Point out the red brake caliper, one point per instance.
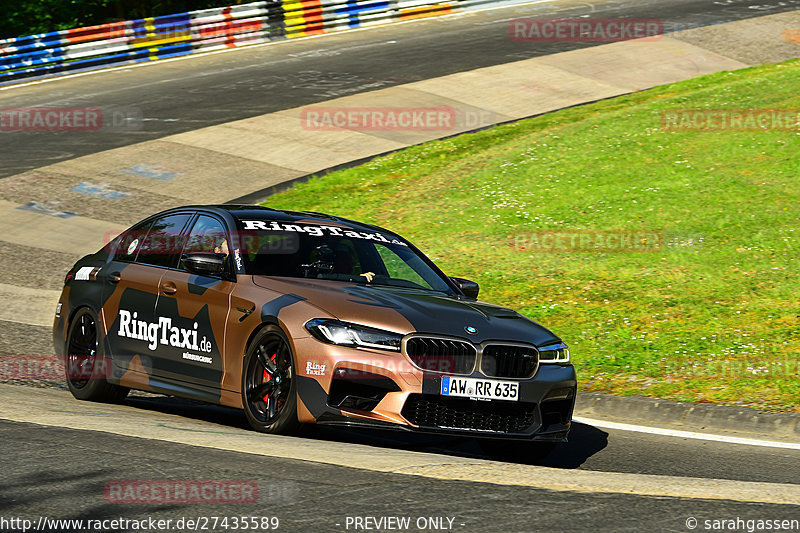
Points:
(265, 378)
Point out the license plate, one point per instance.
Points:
(484, 389)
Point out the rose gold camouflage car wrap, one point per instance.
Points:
(438, 360)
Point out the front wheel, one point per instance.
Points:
(86, 366)
(269, 387)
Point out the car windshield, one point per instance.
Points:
(336, 253)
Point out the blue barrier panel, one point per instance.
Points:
(117, 43)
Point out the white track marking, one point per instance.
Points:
(686, 434)
(282, 41)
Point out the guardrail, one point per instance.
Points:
(169, 36)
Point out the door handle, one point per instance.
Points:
(169, 288)
(114, 277)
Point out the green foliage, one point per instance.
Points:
(41, 16)
(710, 316)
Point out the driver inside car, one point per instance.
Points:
(344, 262)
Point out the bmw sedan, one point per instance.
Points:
(300, 318)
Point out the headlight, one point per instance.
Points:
(346, 334)
(555, 353)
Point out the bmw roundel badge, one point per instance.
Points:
(470, 330)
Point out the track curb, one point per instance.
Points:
(689, 416)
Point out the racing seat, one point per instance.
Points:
(268, 263)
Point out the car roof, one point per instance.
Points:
(258, 212)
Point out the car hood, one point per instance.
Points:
(409, 310)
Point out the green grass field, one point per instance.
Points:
(708, 313)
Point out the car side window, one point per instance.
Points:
(208, 235)
(127, 246)
(164, 242)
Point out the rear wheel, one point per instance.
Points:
(86, 366)
(269, 387)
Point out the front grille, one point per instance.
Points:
(448, 356)
(430, 411)
(509, 361)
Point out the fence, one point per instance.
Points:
(187, 33)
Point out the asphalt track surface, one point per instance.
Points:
(61, 472)
(590, 448)
(165, 98)
(72, 468)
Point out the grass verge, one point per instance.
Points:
(705, 311)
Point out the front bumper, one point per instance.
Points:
(356, 387)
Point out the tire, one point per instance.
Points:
(86, 367)
(269, 385)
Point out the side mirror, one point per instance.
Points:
(469, 288)
(204, 263)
